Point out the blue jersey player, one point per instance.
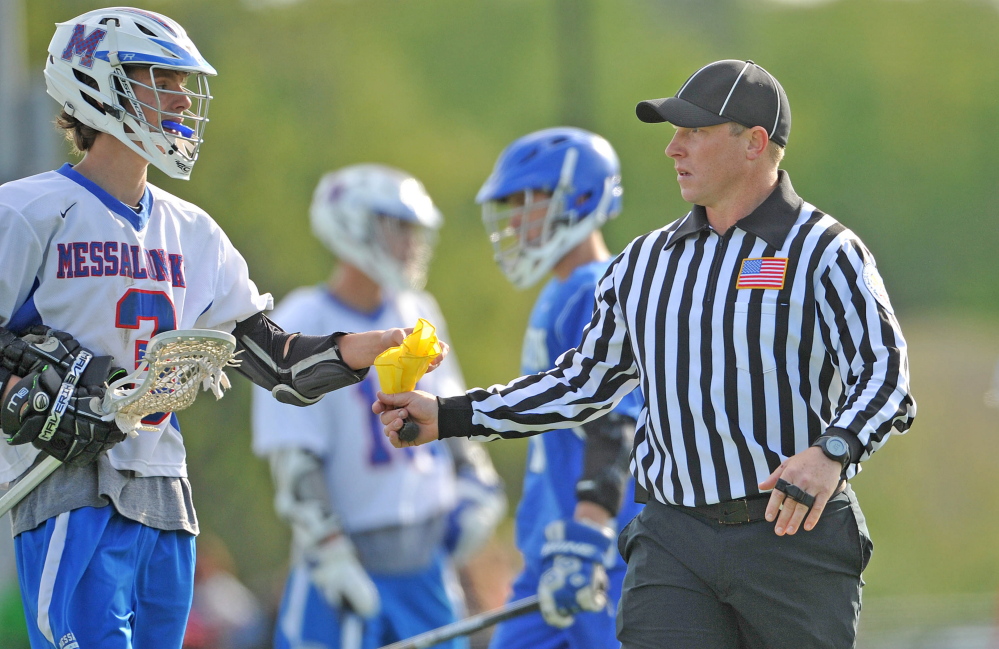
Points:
(94, 257)
(543, 206)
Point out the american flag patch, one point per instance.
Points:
(763, 272)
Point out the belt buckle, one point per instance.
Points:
(734, 512)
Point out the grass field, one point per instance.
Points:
(931, 495)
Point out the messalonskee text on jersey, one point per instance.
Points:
(109, 258)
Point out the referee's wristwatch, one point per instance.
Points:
(835, 448)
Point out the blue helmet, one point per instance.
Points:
(570, 183)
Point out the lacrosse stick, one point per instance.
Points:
(177, 365)
(469, 625)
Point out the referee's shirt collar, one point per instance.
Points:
(771, 221)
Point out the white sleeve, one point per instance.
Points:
(20, 257)
(236, 296)
(279, 425)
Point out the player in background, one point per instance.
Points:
(105, 546)
(376, 530)
(543, 206)
(992, 394)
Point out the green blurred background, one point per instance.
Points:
(895, 132)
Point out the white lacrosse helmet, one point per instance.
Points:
(580, 172)
(85, 73)
(380, 220)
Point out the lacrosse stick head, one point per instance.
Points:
(177, 365)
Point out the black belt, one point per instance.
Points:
(732, 512)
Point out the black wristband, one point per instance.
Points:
(454, 417)
(856, 447)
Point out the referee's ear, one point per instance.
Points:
(757, 141)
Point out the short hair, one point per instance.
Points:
(774, 151)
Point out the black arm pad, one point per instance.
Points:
(311, 368)
(609, 441)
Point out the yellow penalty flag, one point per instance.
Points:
(399, 368)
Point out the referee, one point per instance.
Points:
(772, 364)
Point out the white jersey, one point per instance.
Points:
(371, 484)
(77, 259)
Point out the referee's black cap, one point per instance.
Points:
(725, 91)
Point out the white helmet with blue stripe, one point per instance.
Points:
(379, 219)
(86, 73)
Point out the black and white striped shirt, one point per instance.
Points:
(747, 347)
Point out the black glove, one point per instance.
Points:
(40, 345)
(80, 436)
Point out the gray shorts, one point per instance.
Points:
(694, 583)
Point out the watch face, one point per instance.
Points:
(837, 446)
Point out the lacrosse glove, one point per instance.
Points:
(40, 345)
(338, 575)
(31, 413)
(573, 570)
(481, 506)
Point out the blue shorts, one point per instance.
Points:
(410, 605)
(588, 631)
(93, 578)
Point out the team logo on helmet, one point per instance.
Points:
(83, 45)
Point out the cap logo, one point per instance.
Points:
(83, 45)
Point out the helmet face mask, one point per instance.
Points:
(521, 227)
(548, 191)
(405, 249)
(107, 69)
(380, 220)
(179, 132)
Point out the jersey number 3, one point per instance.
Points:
(138, 305)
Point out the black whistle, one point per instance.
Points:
(409, 431)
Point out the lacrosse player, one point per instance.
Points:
(543, 206)
(96, 259)
(376, 530)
